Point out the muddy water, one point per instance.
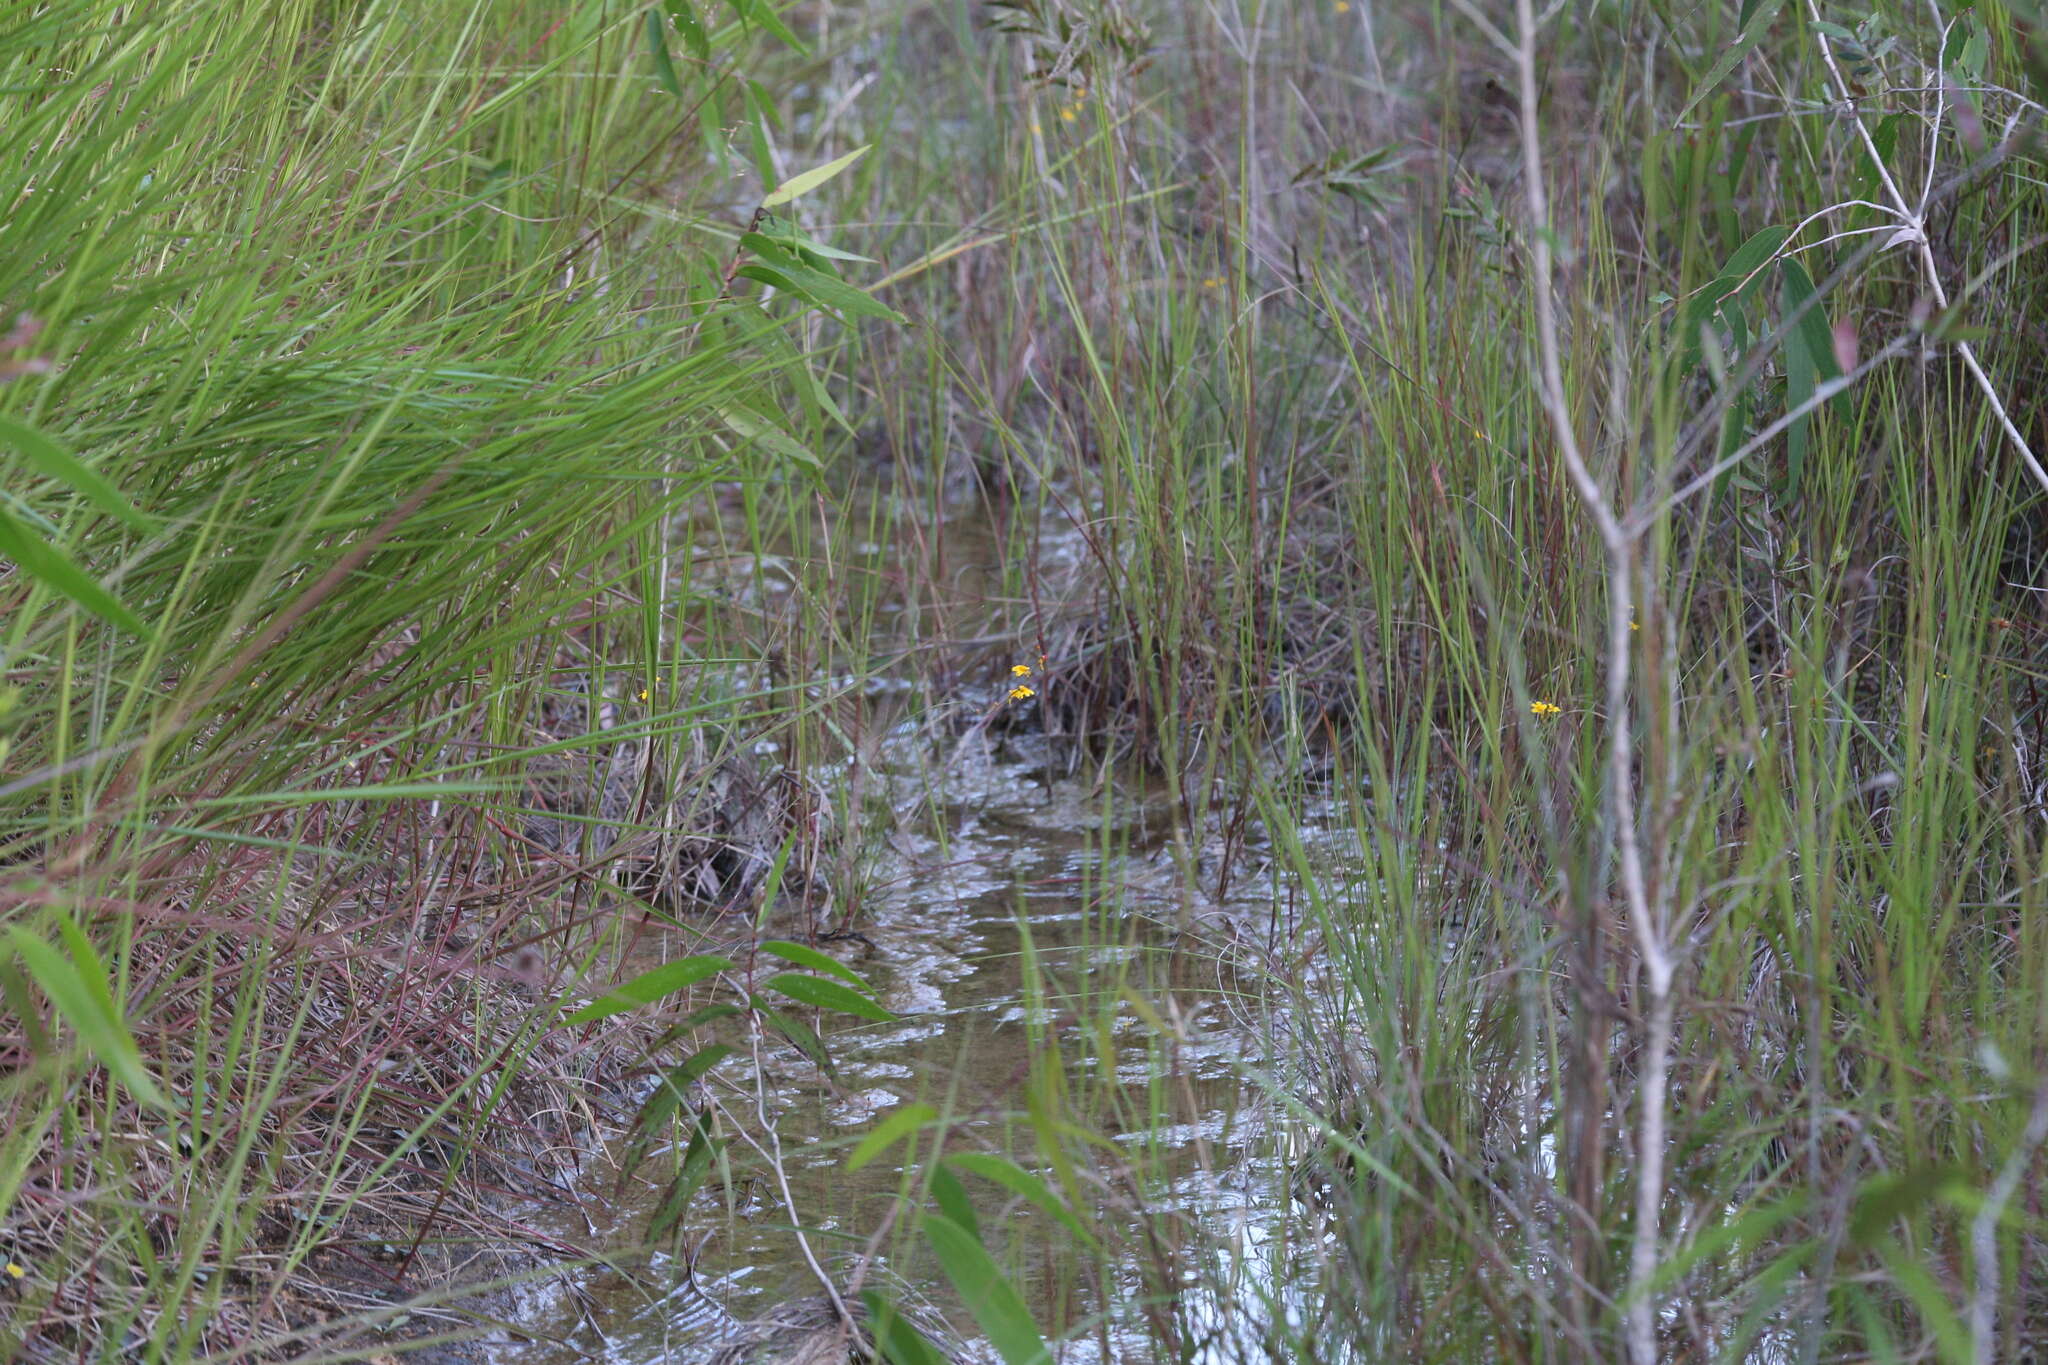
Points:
(1012, 921)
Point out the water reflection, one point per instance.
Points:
(997, 872)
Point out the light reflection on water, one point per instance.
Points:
(1016, 875)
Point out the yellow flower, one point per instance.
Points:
(1343, 6)
(1020, 670)
(1067, 114)
(1544, 708)
(643, 694)
(1037, 127)
(15, 1272)
(1213, 282)
(1021, 693)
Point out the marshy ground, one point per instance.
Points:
(1021, 680)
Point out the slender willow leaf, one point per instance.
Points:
(688, 1180)
(798, 1032)
(1753, 29)
(755, 11)
(901, 1123)
(827, 995)
(1739, 277)
(1019, 1181)
(767, 434)
(804, 956)
(993, 1300)
(668, 1098)
(819, 289)
(657, 47)
(649, 986)
(1813, 329)
(953, 1202)
(809, 180)
(693, 33)
(898, 1342)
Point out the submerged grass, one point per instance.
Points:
(1226, 339)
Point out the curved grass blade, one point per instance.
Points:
(78, 989)
(1019, 1181)
(891, 1130)
(993, 1300)
(39, 559)
(827, 995)
(803, 956)
(649, 986)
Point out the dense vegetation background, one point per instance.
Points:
(1552, 498)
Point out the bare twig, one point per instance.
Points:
(1984, 1227)
(1651, 934)
(1915, 223)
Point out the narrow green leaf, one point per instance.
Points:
(689, 1178)
(995, 1303)
(78, 990)
(1019, 1181)
(895, 1338)
(56, 462)
(691, 1022)
(1754, 27)
(953, 1202)
(1931, 1297)
(693, 33)
(1883, 1200)
(657, 47)
(1745, 1229)
(806, 181)
(694, 1068)
(1744, 268)
(902, 1121)
(667, 1098)
(819, 289)
(649, 986)
(766, 434)
(798, 1033)
(755, 11)
(1739, 277)
(827, 995)
(1813, 328)
(804, 956)
(41, 560)
(785, 234)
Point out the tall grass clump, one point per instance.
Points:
(359, 356)
(1597, 450)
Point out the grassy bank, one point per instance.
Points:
(1615, 643)
(393, 336)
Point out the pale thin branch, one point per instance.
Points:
(1984, 1227)
(1928, 270)
(1652, 936)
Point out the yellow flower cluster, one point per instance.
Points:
(1021, 692)
(1544, 708)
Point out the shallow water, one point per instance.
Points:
(990, 882)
